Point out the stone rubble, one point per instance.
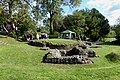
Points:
(77, 55)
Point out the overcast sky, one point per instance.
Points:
(109, 8)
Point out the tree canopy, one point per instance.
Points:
(17, 13)
(88, 24)
(10, 9)
(117, 30)
(53, 7)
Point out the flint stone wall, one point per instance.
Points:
(52, 45)
(76, 55)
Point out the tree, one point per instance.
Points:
(17, 13)
(76, 23)
(8, 7)
(57, 22)
(98, 25)
(117, 30)
(88, 24)
(25, 22)
(53, 7)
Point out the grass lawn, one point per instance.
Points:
(58, 41)
(20, 61)
(109, 39)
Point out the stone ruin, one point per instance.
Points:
(78, 55)
(49, 45)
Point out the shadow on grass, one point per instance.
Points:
(110, 43)
(106, 43)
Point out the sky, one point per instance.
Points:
(109, 8)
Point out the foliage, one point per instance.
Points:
(44, 29)
(55, 35)
(12, 34)
(16, 12)
(111, 34)
(25, 23)
(25, 16)
(10, 7)
(57, 22)
(113, 57)
(117, 31)
(3, 33)
(88, 23)
(76, 22)
(99, 25)
(53, 7)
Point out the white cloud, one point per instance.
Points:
(109, 8)
(34, 3)
(114, 16)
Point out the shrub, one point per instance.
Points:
(3, 33)
(111, 34)
(113, 57)
(117, 31)
(12, 34)
(116, 42)
(55, 35)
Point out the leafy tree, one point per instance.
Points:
(17, 12)
(117, 30)
(76, 22)
(53, 7)
(25, 23)
(88, 23)
(98, 25)
(57, 22)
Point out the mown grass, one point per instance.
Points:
(109, 39)
(58, 41)
(20, 61)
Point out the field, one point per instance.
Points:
(20, 61)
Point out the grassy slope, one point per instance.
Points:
(58, 41)
(19, 61)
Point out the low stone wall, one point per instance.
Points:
(76, 55)
(52, 45)
(69, 60)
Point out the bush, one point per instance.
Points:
(111, 34)
(3, 33)
(12, 34)
(116, 42)
(55, 35)
(113, 57)
(117, 31)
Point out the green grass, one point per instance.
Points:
(20, 61)
(109, 39)
(58, 41)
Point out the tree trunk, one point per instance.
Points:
(4, 28)
(51, 27)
